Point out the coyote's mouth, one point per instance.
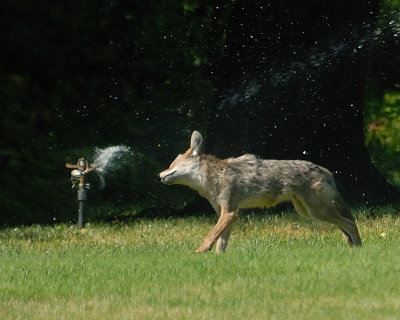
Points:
(165, 179)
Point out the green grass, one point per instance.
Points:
(275, 267)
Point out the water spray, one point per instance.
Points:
(81, 169)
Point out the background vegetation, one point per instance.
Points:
(382, 112)
(80, 75)
(94, 74)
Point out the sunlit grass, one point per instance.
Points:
(276, 267)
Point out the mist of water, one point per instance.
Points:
(109, 159)
(308, 66)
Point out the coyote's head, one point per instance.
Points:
(185, 168)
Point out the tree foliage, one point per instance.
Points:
(382, 99)
(85, 74)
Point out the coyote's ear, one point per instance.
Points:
(195, 143)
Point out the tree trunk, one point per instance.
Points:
(292, 82)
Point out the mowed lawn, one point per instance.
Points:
(277, 266)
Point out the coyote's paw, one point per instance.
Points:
(204, 247)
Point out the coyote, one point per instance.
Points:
(250, 182)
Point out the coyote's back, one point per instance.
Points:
(269, 182)
(249, 182)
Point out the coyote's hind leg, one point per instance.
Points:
(300, 207)
(343, 218)
(346, 237)
(349, 229)
(333, 215)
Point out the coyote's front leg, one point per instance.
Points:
(222, 241)
(225, 220)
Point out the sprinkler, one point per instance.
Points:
(81, 169)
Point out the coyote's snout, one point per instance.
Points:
(250, 182)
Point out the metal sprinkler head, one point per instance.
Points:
(81, 169)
